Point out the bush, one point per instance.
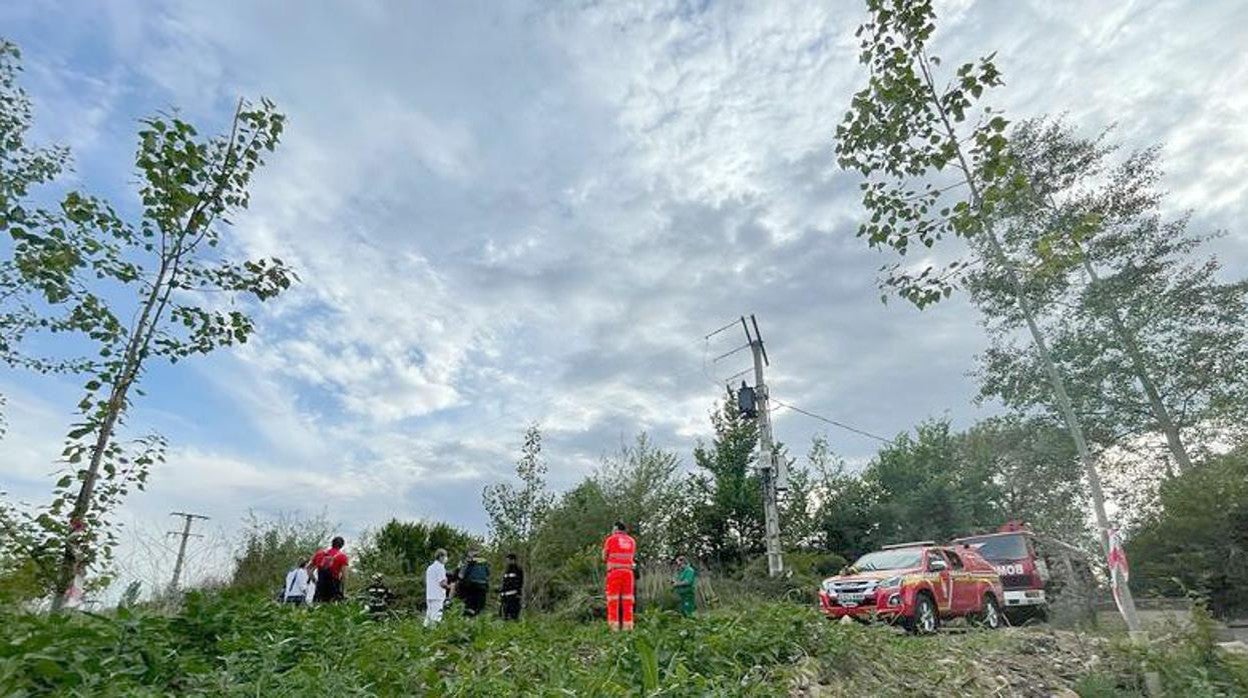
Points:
(407, 547)
(1187, 659)
(233, 644)
(1198, 541)
(271, 547)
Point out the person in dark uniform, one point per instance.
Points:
(511, 592)
(377, 598)
(474, 583)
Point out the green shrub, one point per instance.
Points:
(271, 547)
(233, 644)
(1198, 541)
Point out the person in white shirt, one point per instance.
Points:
(435, 588)
(297, 583)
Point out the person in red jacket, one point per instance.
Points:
(330, 567)
(618, 551)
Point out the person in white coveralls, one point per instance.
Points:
(436, 588)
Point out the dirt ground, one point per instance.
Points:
(1034, 661)
(1037, 660)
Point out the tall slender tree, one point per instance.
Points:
(159, 286)
(936, 165)
(517, 512)
(724, 511)
(640, 485)
(1151, 340)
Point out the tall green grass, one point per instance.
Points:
(234, 646)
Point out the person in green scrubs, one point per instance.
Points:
(686, 584)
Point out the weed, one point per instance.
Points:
(222, 644)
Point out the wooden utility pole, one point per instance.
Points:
(185, 533)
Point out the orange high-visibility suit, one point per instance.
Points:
(617, 551)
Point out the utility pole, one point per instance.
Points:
(185, 533)
(772, 474)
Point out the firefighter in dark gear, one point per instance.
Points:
(474, 583)
(511, 593)
(377, 598)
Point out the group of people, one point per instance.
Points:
(470, 583)
(320, 579)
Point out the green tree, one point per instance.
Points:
(927, 489)
(844, 519)
(797, 506)
(1034, 472)
(723, 514)
(1149, 338)
(156, 286)
(640, 486)
(271, 547)
(407, 547)
(23, 168)
(517, 512)
(936, 165)
(567, 564)
(1198, 539)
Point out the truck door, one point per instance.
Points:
(965, 591)
(942, 582)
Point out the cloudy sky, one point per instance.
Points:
(506, 212)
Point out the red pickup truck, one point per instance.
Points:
(916, 585)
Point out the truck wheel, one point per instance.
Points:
(990, 616)
(925, 621)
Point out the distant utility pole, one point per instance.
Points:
(185, 533)
(773, 475)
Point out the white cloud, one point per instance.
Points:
(504, 214)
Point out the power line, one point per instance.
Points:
(833, 422)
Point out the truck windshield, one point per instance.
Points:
(889, 560)
(999, 548)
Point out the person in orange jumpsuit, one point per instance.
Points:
(618, 551)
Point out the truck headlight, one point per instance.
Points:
(891, 582)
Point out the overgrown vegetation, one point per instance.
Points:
(1197, 541)
(269, 547)
(237, 645)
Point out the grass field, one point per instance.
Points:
(218, 645)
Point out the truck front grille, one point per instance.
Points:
(1016, 581)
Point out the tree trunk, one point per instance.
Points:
(129, 369)
(1068, 414)
(70, 559)
(1160, 412)
(1055, 378)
